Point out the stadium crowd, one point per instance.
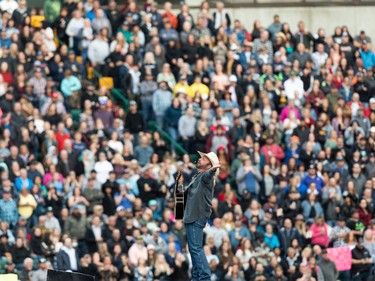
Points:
(86, 182)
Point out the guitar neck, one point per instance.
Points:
(178, 176)
(179, 200)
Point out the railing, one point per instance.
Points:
(155, 127)
(116, 94)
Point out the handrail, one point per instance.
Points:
(115, 92)
(179, 149)
(152, 124)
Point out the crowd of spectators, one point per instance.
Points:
(87, 185)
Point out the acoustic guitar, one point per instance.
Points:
(179, 200)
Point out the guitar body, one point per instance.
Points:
(179, 201)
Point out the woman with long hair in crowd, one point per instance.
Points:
(254, 210)
(167, 75)
(77, 199)
(225, 164)
(319, 232)
(225, 254)
(350, 240)
(245, 252)
(142, 272)
(162, 271)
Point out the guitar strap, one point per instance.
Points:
(192, 181)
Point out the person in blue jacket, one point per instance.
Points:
(270, 238)
(367, 55)
(237, 233)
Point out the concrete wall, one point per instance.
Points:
(356, 18)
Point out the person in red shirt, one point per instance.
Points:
(7, 75)
(222, 194)
(316, 95)
(370, 108)
(272, 149)
(169, 14)
(61, 135)
(364, 212)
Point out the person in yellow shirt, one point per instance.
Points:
(26, 204)
(183, 85)
(199, 86)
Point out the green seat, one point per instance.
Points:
(75, 116)
(2, 266)
(118, 96)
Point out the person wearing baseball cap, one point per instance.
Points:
(361, 261)
(198, 210)
(339, 232)
(41, 273)
(327, 267)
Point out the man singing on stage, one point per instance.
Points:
(198, 210)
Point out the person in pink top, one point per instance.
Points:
(290, 107)
(319, 232)
(49, 176)
(272, 149)
(137, 250)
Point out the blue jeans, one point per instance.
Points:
(160, 120)
(194, 232)
(173, 132)
(147, 111)
(345, 275)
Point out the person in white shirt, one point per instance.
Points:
(115, 143)
(319, 57)
(75, 25)
(8, 6)
(98, 49)
(67, 257)
(102, 168)
(52, 222)
(220, 16)
(294, 88)
(217, 232)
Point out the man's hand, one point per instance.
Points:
(147, 187)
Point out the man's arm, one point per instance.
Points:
(209, 174)
(355, 261)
